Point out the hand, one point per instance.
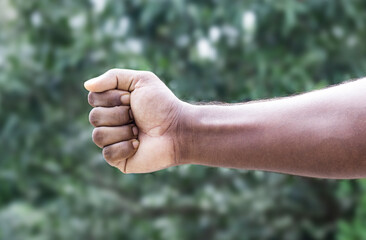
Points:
(136, 118)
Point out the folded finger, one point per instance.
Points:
(109, 98)
(116, 153)
(112, 79)
(114, 116)
(104, 136)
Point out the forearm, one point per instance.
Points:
(319, 134)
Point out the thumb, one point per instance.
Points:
(112, 79)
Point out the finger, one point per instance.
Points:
(104, 136)
(125, 99)
(115, 116)
(116, 153)
(122, 79)
(109, 98)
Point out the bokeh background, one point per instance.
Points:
(54, 183)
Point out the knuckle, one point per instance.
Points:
(107, 153)
(113, 98)
(148, 74)
(112, 71)
(121, 114)
(98, 137)
(127, 149)
(93, 117)
(91, 98)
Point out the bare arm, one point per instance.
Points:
(318, 134)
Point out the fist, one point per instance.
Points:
(136, 119)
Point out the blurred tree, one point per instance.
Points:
(54, 182)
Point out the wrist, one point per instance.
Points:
(185, 140)
(216, 135)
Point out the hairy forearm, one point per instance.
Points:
(319, 134)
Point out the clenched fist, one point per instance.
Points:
(136, 119)
(143, 127)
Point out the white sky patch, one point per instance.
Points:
(248, 21)
(122, 26)
(115, 28)
(214, 33)
(338, 32)
(109, 27)
(231, 34)
(2, 56)
(98, 5)
(99, 55)
(230, 31)
(134, 45)
(7, 11)
(249, 25)
(205, 49)
(77, 21)
(36, 19)
(352, 41)
(183, 40)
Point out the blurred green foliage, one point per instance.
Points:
(54, 183)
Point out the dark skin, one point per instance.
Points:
(142, 127)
